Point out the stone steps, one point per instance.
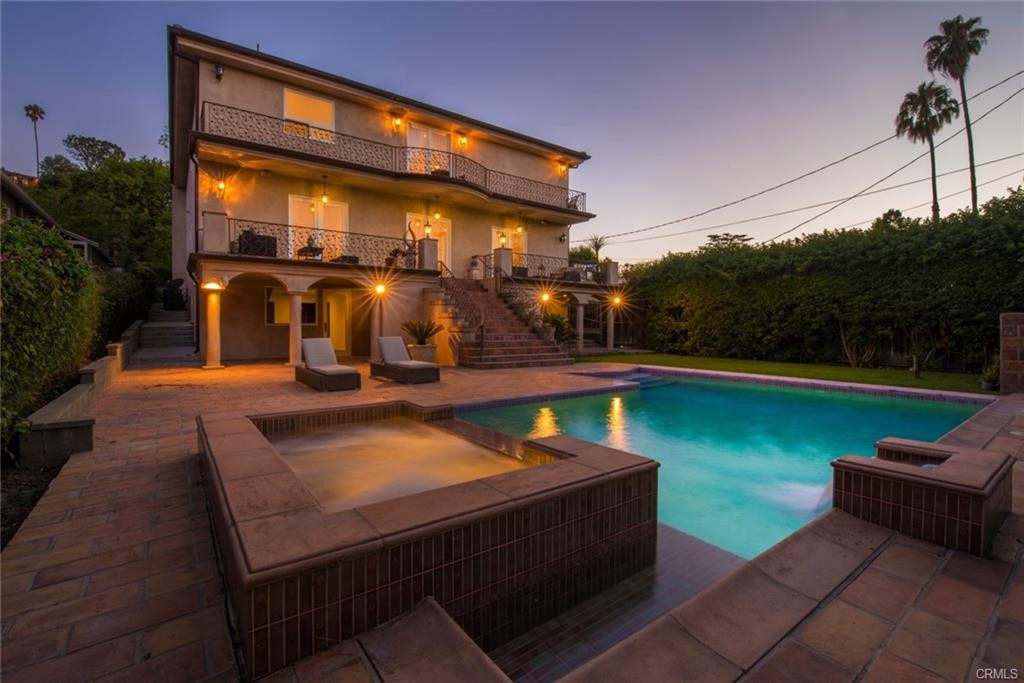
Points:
(161, 334)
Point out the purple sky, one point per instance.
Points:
(682, 105)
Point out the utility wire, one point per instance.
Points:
(805, 208)
(787, 182)
(886, 177)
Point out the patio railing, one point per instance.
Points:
(249, 126)
(546, 267)
(279, 240)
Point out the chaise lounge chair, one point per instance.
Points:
(322, 371)
(398, 366)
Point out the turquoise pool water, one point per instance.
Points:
(742, 465)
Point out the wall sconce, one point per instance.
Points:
(396, 118)
(519, 222)
(563, 168)
(221, 187)
(213, 284)
(323, 194)
(545, 297)
(502, 239)
(437, 209)
(463, 139)
(563, 237)
(380, 289)
(616, 300)
(218, 71)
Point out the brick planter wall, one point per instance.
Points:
(1011, 352)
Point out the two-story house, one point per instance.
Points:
(308, 205)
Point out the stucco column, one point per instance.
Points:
(212, 329)
(376, 325)
(427, 258)
(611, 329)
(579, 327)
(294, 328)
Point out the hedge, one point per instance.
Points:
(904, 288)
(49, 314)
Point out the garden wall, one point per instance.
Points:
(63, 426)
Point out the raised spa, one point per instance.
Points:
(329, 523)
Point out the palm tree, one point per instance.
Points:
(923, 113)
(36, 114)
(950, 52)
(597, 243)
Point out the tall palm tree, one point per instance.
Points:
(922, 114)
(36, 114)
(950, 52)
(597, 243)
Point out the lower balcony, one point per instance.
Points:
(292, 242)
(538, 266)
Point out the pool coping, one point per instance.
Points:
(806, 383)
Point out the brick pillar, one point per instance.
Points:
(1011, 353)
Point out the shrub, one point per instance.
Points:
(49, 311)
(126, 298)
(421, 330)
(564, 333)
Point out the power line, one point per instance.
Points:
(886, 177)
(805, 208)
(787, 182)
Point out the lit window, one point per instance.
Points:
(278, 307)
(308, 116)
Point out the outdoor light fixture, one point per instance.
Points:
(502, 239)
(437, 210)
(213, 285)
(323, 195)
(616, 300)
(396, 118)
(218, 71)
(426, 229)
(519, 221)
(563, 237)
(545, 297)
(463, 139)
(380, 289)
(562, 168)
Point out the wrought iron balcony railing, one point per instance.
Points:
(248, 126)
(546, 267)
(278, 240)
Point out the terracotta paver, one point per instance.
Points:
(795, 663)
(112, 573)
(888, 668)
(880, 593)
(935, 644)
(844, 633)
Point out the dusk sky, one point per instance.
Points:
(682, 106)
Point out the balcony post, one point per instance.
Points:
(611, 273)
(579, 327)
(212, 330)
(502, 264)
(427, 257)
(610, 341)
(295, 328)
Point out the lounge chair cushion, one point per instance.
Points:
(335, 369)
(393, 350)
(318, 352)
(413, 364)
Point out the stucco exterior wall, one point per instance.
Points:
(258, 93)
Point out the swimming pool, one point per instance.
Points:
(742, 465)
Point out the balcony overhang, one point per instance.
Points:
(264, 158)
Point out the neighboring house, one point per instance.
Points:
(22, 179)
(17, 204)
(296, 193)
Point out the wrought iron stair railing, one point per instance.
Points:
(249, 126)
(464, 303)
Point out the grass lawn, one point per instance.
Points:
(947, 381)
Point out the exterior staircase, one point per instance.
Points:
(508, 341)
(167, 340)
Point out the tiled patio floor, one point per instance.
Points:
(112, 576)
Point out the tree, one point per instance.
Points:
(36, 114)
(726, 240)
(91, 152)
(922, 114)
(950, 52)
(56, 165)
(597, 243)
(582, 254)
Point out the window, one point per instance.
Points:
(279, 308)
(308, 116)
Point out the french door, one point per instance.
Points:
(315, 224)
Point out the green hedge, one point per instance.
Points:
(880, 296)
(49, 311)
(127, 297)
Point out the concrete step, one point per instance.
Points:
(164, 334)
(165, 357)
(496, 365)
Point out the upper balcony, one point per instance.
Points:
(442, 166)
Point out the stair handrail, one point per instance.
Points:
(521, 295)
(461, 299)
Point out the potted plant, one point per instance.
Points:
(422, 331)
(990, 375)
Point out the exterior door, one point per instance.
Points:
(338, 320)
(301, 222)
(430, 150)
(312, 219)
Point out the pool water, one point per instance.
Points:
(742, 465)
